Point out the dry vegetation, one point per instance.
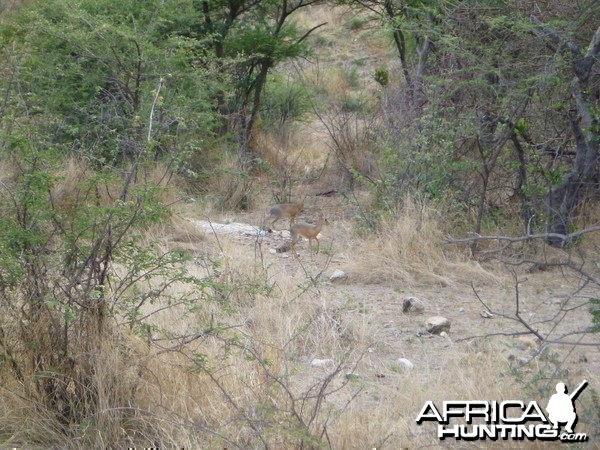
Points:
(235, 371)
(245, 379)
(263, 383)
(409, 250)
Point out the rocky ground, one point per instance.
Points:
(479, 328)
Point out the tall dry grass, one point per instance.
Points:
(411, 249)
(114, 417)
(71, 184)
(220, 181)
(387, 419)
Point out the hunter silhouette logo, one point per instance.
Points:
(511, 419)
(561, 407)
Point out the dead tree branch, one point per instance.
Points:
(565, 238)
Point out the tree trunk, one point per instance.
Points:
(400, 42)
(259, 85)
(562, 199)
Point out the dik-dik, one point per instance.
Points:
(282, 210)
(310, 232)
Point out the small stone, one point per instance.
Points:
(461, 310)
(412, 304)
(437, 324)
(486, 314)
(338, 276)
(283, 247)
(322, 363)
(405, 364)
(272, 251)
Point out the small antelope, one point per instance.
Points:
(310, 232)
(282, 210)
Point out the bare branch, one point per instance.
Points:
(305, 35)
(564, 237)
(160, 82)
(556, 37)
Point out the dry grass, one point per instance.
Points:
(224, 186)
(73, 185)
(385, 418)
(212, 392)
(314, 15)
(411, 250)
(33, 423)
(296, 157)
(273, 330)
(178, 232)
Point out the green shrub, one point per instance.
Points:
(285, 101)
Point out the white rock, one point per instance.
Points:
(272, 251)
(405, 363)
(228, 228)
(322, 362)
(437, 324)
(338, 276)
(486, 314)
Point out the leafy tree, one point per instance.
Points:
(584, 119)
(514, 100)
(258, 36)
(94, 71)
(82, 87)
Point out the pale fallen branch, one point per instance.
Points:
(511, 239)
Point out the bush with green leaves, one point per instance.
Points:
(93, 72)
(516, 88)
(285, 101)
(72, 261)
